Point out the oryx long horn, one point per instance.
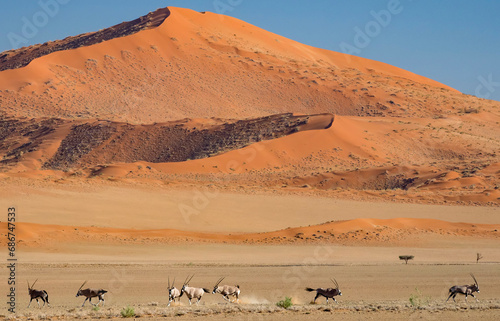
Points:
(335, 282)
(220, 280)
(82, 285)
(474, 279)
(173, 282)
(187, 281)
(33, 284)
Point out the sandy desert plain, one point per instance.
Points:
(189, 143)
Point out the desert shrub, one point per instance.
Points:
(406, 258)
(127, 312)
(286, 303)
(417, 299)
(96, 308)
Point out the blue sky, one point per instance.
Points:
(456, 42)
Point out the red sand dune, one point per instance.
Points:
(202, 65)
(364, 154)
(395, 131)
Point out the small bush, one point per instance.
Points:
(286, 303)
(417, 299)
(96, 308)
(127, 312)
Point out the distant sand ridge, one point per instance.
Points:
(397, 232)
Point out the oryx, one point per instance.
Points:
(227, 290)
(193, 293)
(328, 293)
(464, 289)
(173, 292)
(35, 294)
(91, 293)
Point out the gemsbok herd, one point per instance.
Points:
(226, 291)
